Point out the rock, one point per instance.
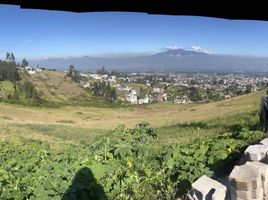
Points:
(206, 188)
(264, 141)
(256, 153)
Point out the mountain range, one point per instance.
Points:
(169, 60)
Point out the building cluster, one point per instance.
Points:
(33, 71)
(208, 85)
(157, 96)
(221, 81)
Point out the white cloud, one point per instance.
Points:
(27, 41)
(200, 49)
(171, 48)
(196, 48)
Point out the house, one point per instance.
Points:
(104, 76)
(132, 97)
(182, 100)
(83, 75)
(144, 100)
(96, 76)
(87, 85)
(38, 69)
(30, 70)
(161, 97)
(156, 90)
(112, 79)
(122, 87)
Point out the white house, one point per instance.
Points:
(112, 79)
(144, 100)
(87, 85)
(132, 97)
(156, 90)
(38, 69)
(122, 87)
(96, 76)
(182, 100)
(30, 70)
(83, 75)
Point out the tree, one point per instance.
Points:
(71, 70)
(7, 56)
(194, 94)
(8, 71)
(30, 91)
(248, 89)
(73, 73)
(112, 95)
(102, 71)
(142, 93)
(208, 93)
(12, 57)
(227, 90)
(24, 63)
(103, 89)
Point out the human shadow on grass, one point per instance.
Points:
(84, 187)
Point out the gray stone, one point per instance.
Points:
(206, 188)
(256, 152)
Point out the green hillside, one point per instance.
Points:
(53, 89)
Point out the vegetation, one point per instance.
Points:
(31, 94)
(58, 153)
(122, 165)
(104, 89)
(73, 73)
(102, 71)
(24, 63)
(8, 69)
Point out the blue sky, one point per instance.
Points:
(40, 33)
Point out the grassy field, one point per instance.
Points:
(76, 125)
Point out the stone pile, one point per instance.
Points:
(248, 181)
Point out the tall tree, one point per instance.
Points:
(12, 57)
(102, 71)
(24, 63)
(194, 94)
(7, 56)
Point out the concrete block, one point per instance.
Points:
(256, 152)
(245, 178)
(262, 168)
(206, 188)
(246, 195)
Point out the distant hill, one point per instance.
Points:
(173, 60)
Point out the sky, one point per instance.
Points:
(35, 34)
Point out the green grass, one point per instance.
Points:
(56, 136)
(187, 131)
(66, 133)
(6, 88)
